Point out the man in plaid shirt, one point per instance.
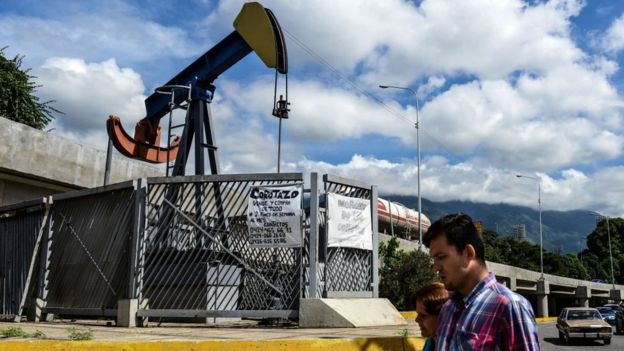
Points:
(482, 314)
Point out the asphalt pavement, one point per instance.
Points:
(549, 340)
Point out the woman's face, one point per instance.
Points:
(427, 322)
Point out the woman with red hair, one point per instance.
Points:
(429, 301)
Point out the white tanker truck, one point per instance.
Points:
(397, 219)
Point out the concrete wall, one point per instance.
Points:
(34, 163)
(405, 245)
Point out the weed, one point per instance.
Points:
(38, 334)
(404, 332)
(13, 332)
(80, 335)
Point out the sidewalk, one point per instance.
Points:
(242, 335)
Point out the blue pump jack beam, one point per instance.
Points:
(200, 74)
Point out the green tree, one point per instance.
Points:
(565, 265)
(492, 246)
(402, 274)
(17, 99)
(596, 257)
(507, 250)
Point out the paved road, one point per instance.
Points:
(549, 340)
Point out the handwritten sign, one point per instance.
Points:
(274, 216)
(349, 222)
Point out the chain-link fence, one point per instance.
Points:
(20, 227)
(181, 247)
(195, 254)
(349, 272)
(89, 241)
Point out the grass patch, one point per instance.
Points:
(38, 334)
(17, 332)
(80, 335)
(404, 332)
(13, 332)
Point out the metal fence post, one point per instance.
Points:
(314, 227)
(138, 216)
(44, 263)
(41, 295)
(375, 283)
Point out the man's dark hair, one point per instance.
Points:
(459, 231)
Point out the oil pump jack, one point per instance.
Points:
(256, 29)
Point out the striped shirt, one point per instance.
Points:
(491, 317)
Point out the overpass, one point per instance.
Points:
(552, 292)
(549, 294)
(34, 164)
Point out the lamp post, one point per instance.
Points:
(420, 238)
(539, 203)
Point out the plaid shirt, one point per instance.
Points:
(491, 317)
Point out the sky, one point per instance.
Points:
(504, 87)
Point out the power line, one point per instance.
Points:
(388, 108)
(346, 79)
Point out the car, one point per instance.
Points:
(583, 323)
(613, 306)
(607, 313)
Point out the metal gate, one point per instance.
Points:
(180, 246)
(87, 262)
(340, 271)
(20, 227)
(194, 255)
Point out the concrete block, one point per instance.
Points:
(35, 313)
(127, 313)
(348, 313)
(542, 305)
(582, 292)
(513, 284)
(543, 287)
(616, 295)
(143, 321)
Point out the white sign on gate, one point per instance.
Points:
(274, 216)
(349, 222)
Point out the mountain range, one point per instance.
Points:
(562, 231)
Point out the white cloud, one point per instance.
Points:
(94, 37)
(450, 37)
(88, 92)
(433, 83)
(474, 181)
(319, 112)
(396, 41)
(573, 89)
(541, 123)
(466, 115)
(613, 40)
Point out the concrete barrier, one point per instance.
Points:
(348, 313)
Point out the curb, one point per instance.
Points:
(545, 319)
(411, 315)
(368, 344)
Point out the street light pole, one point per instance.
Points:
(539, 204)
(417, 125)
